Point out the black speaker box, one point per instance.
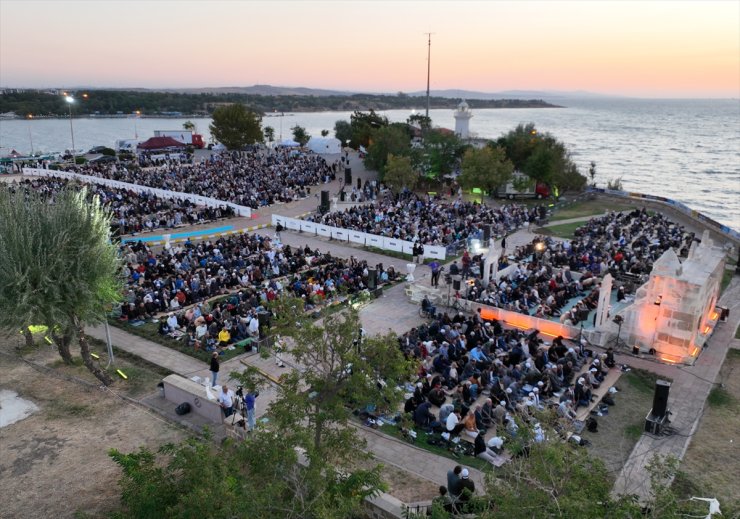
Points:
(660, 399)
(324, 207)
(372, 279)
(486, 233)
(348, 176)
(359, 183)
(456, 284)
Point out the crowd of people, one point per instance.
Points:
(477, 379)
(545, 276)
(252, 179)
(429, 219)
(135, 212)
(249, 270)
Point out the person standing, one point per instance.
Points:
(453, 481)
(249, 402)
(215, 366)
(226, 399)
(436, 270)
(467, 488)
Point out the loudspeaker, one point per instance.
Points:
(348, 176)
(660, 399)
(359, 183)
(456, 284)
(486, 233)
(372, 279)
(324, 207)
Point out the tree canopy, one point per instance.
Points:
(300, 135)
(235, 126)
(400, 174)
(486, 168)
(59, 267)
(388, 140)
(542, 157)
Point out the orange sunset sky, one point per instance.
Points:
(633, 48)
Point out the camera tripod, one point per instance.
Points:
(617, 341)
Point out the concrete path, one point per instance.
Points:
(688, 393)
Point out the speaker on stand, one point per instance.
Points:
(359, 183)
(657, 419)
(324, 207)
(348, 176)
(372, 279)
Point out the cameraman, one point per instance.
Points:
(249, 401)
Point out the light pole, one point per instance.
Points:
(70, 100)
(30, 136)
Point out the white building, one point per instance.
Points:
(674, 312)
(462, 120)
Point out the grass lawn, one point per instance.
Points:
(712, 461)
(595, 207)
(142, 376)
(622, 427)
(737, 333)
(421, 442)
(565, 230)
(726, 279)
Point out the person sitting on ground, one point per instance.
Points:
(437, 396)
(454, 425)
(482, 451)
(470, 426)
(423, 415)
(565, 410)
(445, 411)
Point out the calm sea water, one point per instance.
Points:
(688, 150)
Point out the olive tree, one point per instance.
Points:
(235, 126)
(59, 266)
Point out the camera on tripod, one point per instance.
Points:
(240, 391)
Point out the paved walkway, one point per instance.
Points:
(689, 391)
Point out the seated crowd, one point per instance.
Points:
(252, 179)
(546, 274)
(248, 270)
(136, 212)
(476, 377)
(428, 219)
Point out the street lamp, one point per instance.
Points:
(70, 100)
(30, 136)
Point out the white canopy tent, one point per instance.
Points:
(288, 143)
(325, 145)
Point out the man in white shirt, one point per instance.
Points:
(226, 399)
(254, 327)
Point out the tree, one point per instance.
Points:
(422, 121)
(324, 133)
(301, 462)
(442, 152)
(486, 168)
(300, 135)
(364, 125)
(269, 132)
(343, 131)
(235, 126)
(388, 140)
(341, 373)
(189, 126)
(399, 173)
(60, 268)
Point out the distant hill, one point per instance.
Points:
(507, 94)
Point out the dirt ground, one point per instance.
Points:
(712, 461)
(621, 428)
(405, 486)
(55, 462)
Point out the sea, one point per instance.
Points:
(687, 150)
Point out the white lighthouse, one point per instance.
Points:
(462, 120)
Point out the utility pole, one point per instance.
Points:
(429, 65)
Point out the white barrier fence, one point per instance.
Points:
(363, 238)
(162, 193)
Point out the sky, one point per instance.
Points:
(631, 48)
